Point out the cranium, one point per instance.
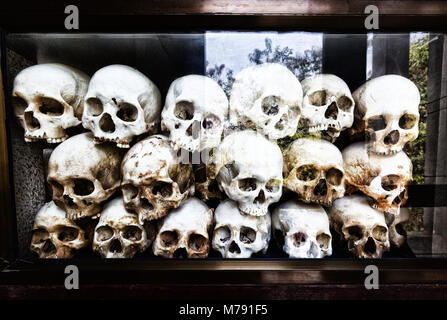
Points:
(194, 113)
(154, 179)
(120, 104)
(387, 110)
(118, 233)
(267, 97)
(184, 232)
(47, 99)
(83, 175)
(302, 230)
(398, 235)
(383, 178)
(364, 228)
(237, 235)
(328, 106)
(314, 170)
(55, 236)
(249, 171)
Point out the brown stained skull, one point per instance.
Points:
(206, 185)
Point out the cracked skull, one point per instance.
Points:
(154, 179)
(237, 235)
(314, 170)
(120, 104)
(398, 234)
(55, 236)
(383, 179)
(302, 230)
(118, 233)
(328, 106)
(48, 99)
(387, 111)
(267, 97)
(249, 171)
(364, 228)
(194, 113)
(184, 232)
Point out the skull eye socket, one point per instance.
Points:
(169, 238)
(223, 234)
(161, 188)
(40, 236)
(94, 106)
(129, 191)
(67, 234)
(104, 233)
(132, 233)
(273, 185)
(299, 238)
(248, 184)
(196, 241)
(184, 110)
(306, 172)
(247, 235)
(83, 187)
(51, 107)
(407, 121)
(334, 176)
(400, 229)
(390, 182)
(228, 172)
(19, 105)
(58, 189)
(355, 232)
(380, 233)
(344, 103)
(127, 112)
(377, 123)
(323, 240)
(318, 98)
(210, 122)
(270, 105)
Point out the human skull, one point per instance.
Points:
(302, 230)
(237, 235)
(398, 235)
(328, 106)
(55, 236)
(364, 228)
(387, 110)
(382, 178)
(83, 175)
(118, 233)
(194, 113)
(206, 185)
(47, 99)
(154, 179)
(249, 171)
(314, 170)
(267, 97)
(184, 232)
(120, 104)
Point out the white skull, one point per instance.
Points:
(184, 232)
(383, 178)
(328, 106)
(154, 179)
(267, 97)
(83, 175)
(47, 99)
(249, 171)
(55, 236)
(364, 228)
(237, 235)
(194, 113)
(120, 104)
(302, 230)
(387, 110)
(118, 233)
(398, 235)
(314, 170)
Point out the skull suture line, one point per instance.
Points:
(83, 175)
(55, 236)
(267, 97)
(302, 230)
(328, 106)
(154, 179)
(47, 99)
(314, 170)
(237, 235)
(120, 104)
(249, 171)
(118, 233)
(184, 232)
(364, 228)
(195, 110)
(387, 111)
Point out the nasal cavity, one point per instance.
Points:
(116, 246)
(321, 188)
(260, 198)
(234, 248)
(370, 246)
(180, 253)
(392, 137)
(31, 122)
(69, 202)
(193, 130)
(331, 111)
(106, 123)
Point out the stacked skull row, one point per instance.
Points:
(242, 162)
